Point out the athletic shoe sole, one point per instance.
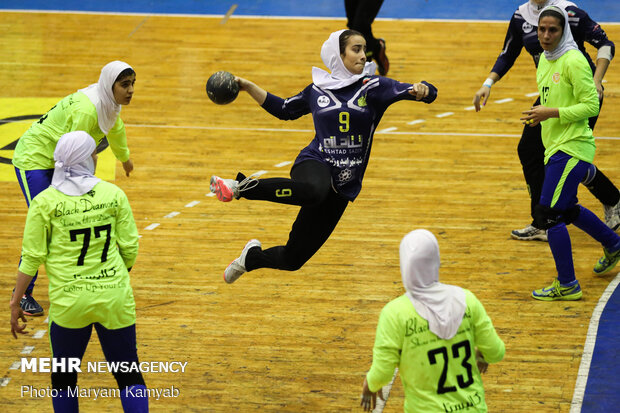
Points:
(538, 237)
(570, 297)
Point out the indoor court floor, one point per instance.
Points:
(276, 341)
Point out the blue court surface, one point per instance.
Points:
(601, 392)
(603, 11)
(598, 381)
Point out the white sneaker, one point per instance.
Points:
(529, 233)
(612, 216)
(237, 268)
(227, 189)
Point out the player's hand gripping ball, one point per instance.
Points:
(222, 88)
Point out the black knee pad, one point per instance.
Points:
(572, 214)
(128, 379)
(545, 217)
(60, 381)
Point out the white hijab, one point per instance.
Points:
(530, 10)
(74, 170)
(101, 95)
(566, 42)
(442, 305)
(340, 75)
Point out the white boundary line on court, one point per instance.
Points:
(381, 403)
(588, 348)
(492, 135)
(252, 16)
(386, 131)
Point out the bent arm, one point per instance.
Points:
(386, 352)
(424, 92)
(126, 232)
(482, 95)
(23, 280)
(594, 34)
(584, 89)
(258, 94)
(36, 238)
(488, 342)
(513, 44)
(602, 63)
(117, 138)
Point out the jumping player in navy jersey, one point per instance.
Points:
(522, 33)
(346, 105)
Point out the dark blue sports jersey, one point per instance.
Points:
(522, 34)
(345, 121)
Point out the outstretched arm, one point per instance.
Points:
(259, 94)
(482, 95)
(601, 68)
(594, 34)
(513, 44)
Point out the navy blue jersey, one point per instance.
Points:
(345, 121)
(522, 34)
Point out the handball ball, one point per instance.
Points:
(222, 88)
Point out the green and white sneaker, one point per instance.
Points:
(557, 291)
(607, 262)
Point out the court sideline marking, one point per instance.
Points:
(588, 348)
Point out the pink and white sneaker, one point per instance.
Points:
(224, 189)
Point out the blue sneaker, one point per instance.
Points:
(557, 291)
(607, 262)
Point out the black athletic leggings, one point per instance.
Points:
(532, 156)
(321, 208)
(360, 15)
(118, 345)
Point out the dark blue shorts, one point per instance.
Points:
(563, 174)
(33, 182)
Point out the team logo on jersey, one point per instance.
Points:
(556, 78)
(361, 102)
(322, 101)
(345, 176)
(527, 27)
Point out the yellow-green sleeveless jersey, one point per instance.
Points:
(35, 148)
(567, 84)
(87, 243)
(438, 375)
